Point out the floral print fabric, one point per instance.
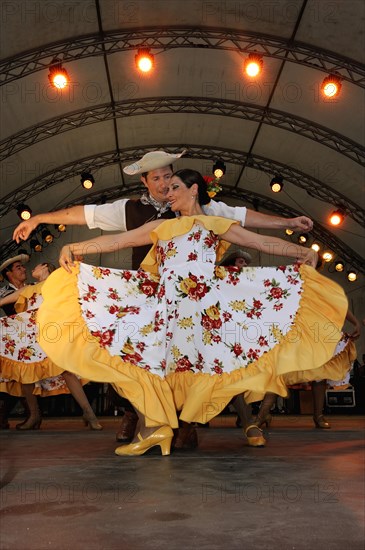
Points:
(195, 316)
(19, 348)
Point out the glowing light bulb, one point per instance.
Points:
(59, 81)
(327, 256)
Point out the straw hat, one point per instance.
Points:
(23, 258)
(152, 161)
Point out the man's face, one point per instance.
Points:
(240, 263)
(17, 274)
(157, 182)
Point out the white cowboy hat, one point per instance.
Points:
(23, 258)
(228, 259)
(152, 161)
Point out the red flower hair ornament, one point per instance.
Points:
(213, 186)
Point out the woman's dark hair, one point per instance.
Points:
(50, 267)
(189, 177)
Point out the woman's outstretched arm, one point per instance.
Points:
(107, 243)
(270, 245)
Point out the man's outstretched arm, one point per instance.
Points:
(257, 220)
(68, 216)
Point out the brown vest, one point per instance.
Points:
(137, 214)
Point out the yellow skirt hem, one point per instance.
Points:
(158, 398)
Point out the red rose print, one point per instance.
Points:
(276, 292)
(149, 287)
(207, 322)
(105, 338)
(237, 349)
(183, 364)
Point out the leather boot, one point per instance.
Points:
(127, 427)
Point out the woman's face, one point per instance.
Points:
(39, 270)
(180, 196)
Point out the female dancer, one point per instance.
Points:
(24, 363)
(174, 336)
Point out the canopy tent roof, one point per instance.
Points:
(197, 98)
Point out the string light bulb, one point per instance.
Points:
(331, 86)
(60, 227)
(87, 180)
(337, 217)
(339, 266)
(352, 276)
(219, 169)
(35, 245)
(253, 65)
(145, 61)
(24, 212)
(327, 256)
(303, 237)
(315, 247)
(277, 184)
(58, 76)
(47, 236)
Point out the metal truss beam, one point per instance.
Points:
(180, 104)
(314, 187)
(258, 201)
(319, 233)
(166, 38)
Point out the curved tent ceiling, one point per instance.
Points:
(196, 99)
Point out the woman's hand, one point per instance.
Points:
(310, 257)
(66, 259)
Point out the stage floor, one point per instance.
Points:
(64, 488)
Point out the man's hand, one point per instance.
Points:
(24, 229)
(302, 223)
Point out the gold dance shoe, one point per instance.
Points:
(255, 441)
(266, 421)
(30, 424)
(92, 422)
(162, 437)
(321, 422)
